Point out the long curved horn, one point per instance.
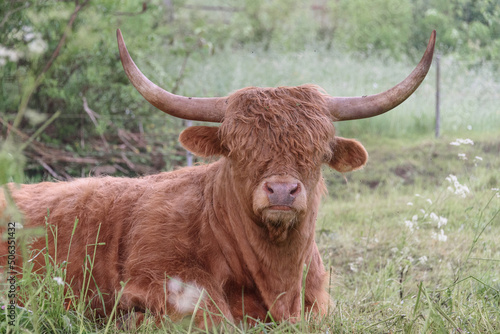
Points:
(193, 108)
(349, 108)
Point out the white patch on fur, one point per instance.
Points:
(183, 296)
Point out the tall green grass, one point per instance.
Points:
(416, 251)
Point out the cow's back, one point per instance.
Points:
(92, 221)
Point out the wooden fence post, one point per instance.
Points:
(189, 155)
(438, 78)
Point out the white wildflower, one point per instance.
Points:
(442, 221)
(422, 259)
(409, 204)
(458, 189)
(429, 200)
(423, 211)
(459, 142)
(10, 54)
(469, 127)
(37, 45)
(439, 220)
(59, 280)
(410, 225)
(354, 265)
(478, 158)
(414, 218)
(439, 236)
(462, 156)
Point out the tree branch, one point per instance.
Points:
(93, 116)
(32, 87)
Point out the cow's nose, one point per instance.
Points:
(281, 193)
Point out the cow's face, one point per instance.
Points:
(275, 140)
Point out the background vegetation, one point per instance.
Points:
(408, 253)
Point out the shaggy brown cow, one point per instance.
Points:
(235, 234)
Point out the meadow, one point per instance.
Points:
(410, 241)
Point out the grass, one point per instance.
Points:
(409, 254)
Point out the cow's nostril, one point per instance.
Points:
(295, 190)
(268, 189)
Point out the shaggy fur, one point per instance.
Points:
(201, 231)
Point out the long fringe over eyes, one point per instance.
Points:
(288, 126)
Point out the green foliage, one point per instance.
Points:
(11, 164)
(470, 28)
(379, 25)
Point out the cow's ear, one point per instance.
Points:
(202, 141)
(348, 155)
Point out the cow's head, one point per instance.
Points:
(276, 139)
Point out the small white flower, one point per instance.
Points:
(478, 158)
(469, 127)
(11, 54)
(59, 280)
(429, 200)
(37, 45)
(422, 259)
(462, 156)
(459, 142)
(461, 190)
(409, 204)
(439, 236)
(410, 225)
